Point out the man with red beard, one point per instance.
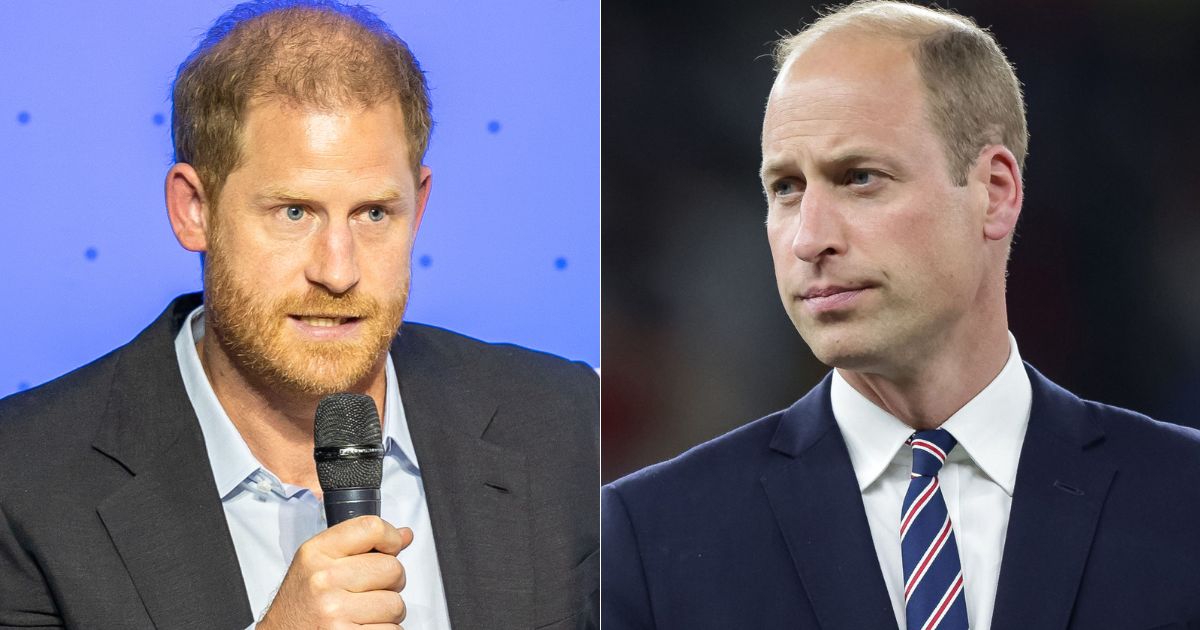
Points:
(181, 490)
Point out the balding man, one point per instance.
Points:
(932, 480)
(171, 483)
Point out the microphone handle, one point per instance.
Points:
(346, 503)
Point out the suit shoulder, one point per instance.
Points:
(494, 362)
(61, 407)
(1138, 434)
(47, 431)
(708, 465)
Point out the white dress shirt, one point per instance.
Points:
(977, 479)
(269, 519)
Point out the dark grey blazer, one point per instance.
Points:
(109, 516)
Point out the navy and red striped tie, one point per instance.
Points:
(933, 582)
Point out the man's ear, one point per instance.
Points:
(424, 186)
(187, 207)
(997, 168)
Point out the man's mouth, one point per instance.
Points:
(829, 298)
(324, 321)
(827, 291)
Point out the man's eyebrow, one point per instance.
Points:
(282, 194)
(287, 194)
(854, 156)
(771, 168)
(837, 160)
(391, 194)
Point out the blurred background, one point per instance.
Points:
(509, 246)
(1103, 295)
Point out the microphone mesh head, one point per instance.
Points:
(346, 420)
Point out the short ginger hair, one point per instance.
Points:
(972, 94)
(308, 53)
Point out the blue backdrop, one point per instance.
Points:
(509, 247)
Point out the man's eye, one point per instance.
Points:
(294, 213)
(784, 187)
(859, 177)
(376, 214)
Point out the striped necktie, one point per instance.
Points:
(933, 582)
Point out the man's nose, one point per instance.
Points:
(819, 231)
(334, 264)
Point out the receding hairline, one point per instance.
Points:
(885, 18)
(973, 97)
(320, 55)
(321, 42)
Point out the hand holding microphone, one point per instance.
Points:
(349, 573)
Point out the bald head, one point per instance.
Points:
(841, 89)
(972, 95)
(874, 17)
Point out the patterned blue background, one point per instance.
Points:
(509, 247)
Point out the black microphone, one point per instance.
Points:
(349, 453)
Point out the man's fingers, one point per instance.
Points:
(376, 607)
(369, 572)
(359, 535)
(395, 541)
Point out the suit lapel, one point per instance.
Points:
(1062, 481)
(815, 498)
(166, 522)
(477, 492)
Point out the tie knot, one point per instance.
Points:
(930, 449)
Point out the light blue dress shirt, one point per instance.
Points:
(269, 519)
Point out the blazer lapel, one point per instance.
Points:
(815, 498)
(1062, 481)
(167, 523)
(477, 492)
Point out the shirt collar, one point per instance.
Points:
(230, 458)
(396, 439)
(990, 428)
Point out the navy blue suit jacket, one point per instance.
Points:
(765, 528)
